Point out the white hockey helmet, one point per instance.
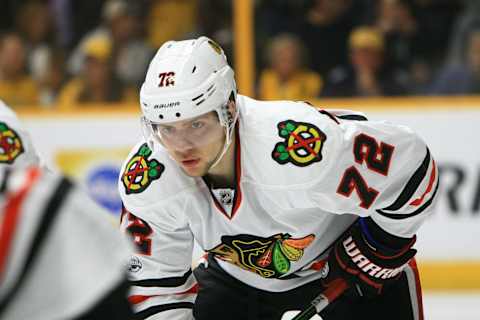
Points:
(184, 80)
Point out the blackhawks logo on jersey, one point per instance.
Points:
(11, 145)
(268, 257)
(302, 145)
(140, 171)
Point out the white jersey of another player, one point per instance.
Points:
(303, 176)
(60, 256)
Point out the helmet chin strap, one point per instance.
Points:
(229, 131)
(148, 134)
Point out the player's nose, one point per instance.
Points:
(183, 145)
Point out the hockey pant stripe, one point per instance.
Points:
(413, 279)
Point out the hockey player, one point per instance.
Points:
(285, 198)
(60, 257)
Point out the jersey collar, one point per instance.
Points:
(237, 199)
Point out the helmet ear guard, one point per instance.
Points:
(148, 134)
(225, 116)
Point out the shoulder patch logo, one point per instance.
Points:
(302, 145)
(11, 146)
(268, 257)
(140, 171)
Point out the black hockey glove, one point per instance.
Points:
(368, 257)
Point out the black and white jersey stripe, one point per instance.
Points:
(27, 242)
(418, 194)
(60, 254)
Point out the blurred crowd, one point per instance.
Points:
(63, 54)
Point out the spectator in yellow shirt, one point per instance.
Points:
(96, 83)
(287, 78)
(17, 88)
(366, 75)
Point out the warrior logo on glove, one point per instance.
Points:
(11, 145)
(268, 257)
(302, 145)
(140, 171)
(360, 258)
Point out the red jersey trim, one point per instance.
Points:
(419, 201)
(12, 214)
(136, 299)
(237, 199)
(413, 265)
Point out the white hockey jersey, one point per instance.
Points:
(60, 255)
(303, 175)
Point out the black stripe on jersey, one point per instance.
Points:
(290, 276)
(328, 114)
(164, 307)
(416, 212)
(412, 185)
(45, 223)
(355, 117)
(163, 282)
(3, 184)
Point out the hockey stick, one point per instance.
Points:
(334, 290)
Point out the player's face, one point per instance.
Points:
(194, 143)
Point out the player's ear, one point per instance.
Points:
(232, 108)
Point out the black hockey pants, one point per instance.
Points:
(221, 296)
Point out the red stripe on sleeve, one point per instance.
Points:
(136, 299)
(433, 175)
(11, 218)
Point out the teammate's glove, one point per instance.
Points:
(369, 257)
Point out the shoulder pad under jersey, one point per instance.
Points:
(286, 143)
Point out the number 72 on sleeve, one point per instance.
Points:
(377, 157)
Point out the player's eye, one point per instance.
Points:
(197, 124)
(166, 130)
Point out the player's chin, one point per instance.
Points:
(195, 171)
